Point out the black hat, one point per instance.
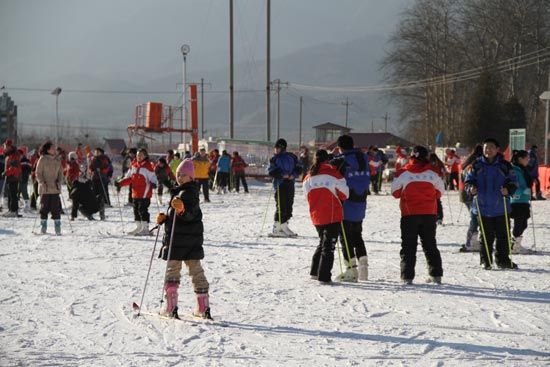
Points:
(280, 143)
(491, 141)
(420, 152)
(345, 142)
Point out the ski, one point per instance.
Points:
(188, 318)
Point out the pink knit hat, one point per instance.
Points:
(186, 168)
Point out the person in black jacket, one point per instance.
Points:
(185, 216)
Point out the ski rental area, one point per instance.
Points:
(67, 300)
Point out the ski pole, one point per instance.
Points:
(483, 232)
(507, 229)
(34, 223)
(346, 243)
(148, 272)
(169, 253)
(265, 211)
(120, 211)
(339, 255)
(102, 186)
(66, 210)
(459, 213)
(533, 226)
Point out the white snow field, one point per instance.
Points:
(66, 301)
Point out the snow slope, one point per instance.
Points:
(67, 300)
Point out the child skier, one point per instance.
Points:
(143, 180)
(185, 217)
(492, 180)
(418, 187)
(520, 201)
(325, 189)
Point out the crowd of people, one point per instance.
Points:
(336, 187)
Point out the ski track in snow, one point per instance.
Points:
(67, 300)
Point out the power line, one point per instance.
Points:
(107, 91)
(502, 66)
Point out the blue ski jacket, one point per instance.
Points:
(224, 163)
(523, 192)
(354, 166)
(283, 164)
(533, 163)
(489, 178)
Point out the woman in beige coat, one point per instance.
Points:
(49, 175)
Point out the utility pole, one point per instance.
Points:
(386, 122)
(202, 108)
(268, 66)
(347, 103)
(300, 123)
(277, 85)
(372, 126)
(231, 113)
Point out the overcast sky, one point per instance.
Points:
(47, 39)
(135, 45)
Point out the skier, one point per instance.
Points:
(452, 162)
(165, 177)
(472, 235)
(353, 165)
(418, 187)
(173, 160)
(374, 163)
(224, 165)
(439, 167)
(201, 164)
(325, 189)
(238, 166)
(284, 168)
(143, 180)
(99, 170)
(129, 156)
(492, 180)
(26, 170)
(402, 159)
(520, 200)
(534, 171)
(186, 246)
(12, 175)
(34, 161)
(72, 173)
(49, 175)
(213, 157)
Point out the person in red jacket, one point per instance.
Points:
(72, 170)
(12, 173)
(238, 166)
(143, 180)
(401, 160)
(418, 186)
(452, 162)
(325, 188)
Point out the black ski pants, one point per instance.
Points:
(353, 232)
(412, 227)
(204, 184)
(238, 178)
(24, 189)
(495, 227)
(50, 203)
(141, 209)
(453, 177)
(521, 213)
(284, 201)
(323, 257)
(12, 186)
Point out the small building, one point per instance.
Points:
(8, 119)
(114, 147)
(365, 140)
(328, 132)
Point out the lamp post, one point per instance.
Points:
(56, 92)
(184, 51)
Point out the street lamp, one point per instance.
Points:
(56, 92)
(546, 97)
(184, 51)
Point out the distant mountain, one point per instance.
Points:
(351, 63)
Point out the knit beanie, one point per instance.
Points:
(186, 168)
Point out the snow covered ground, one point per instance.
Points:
(67, 300)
